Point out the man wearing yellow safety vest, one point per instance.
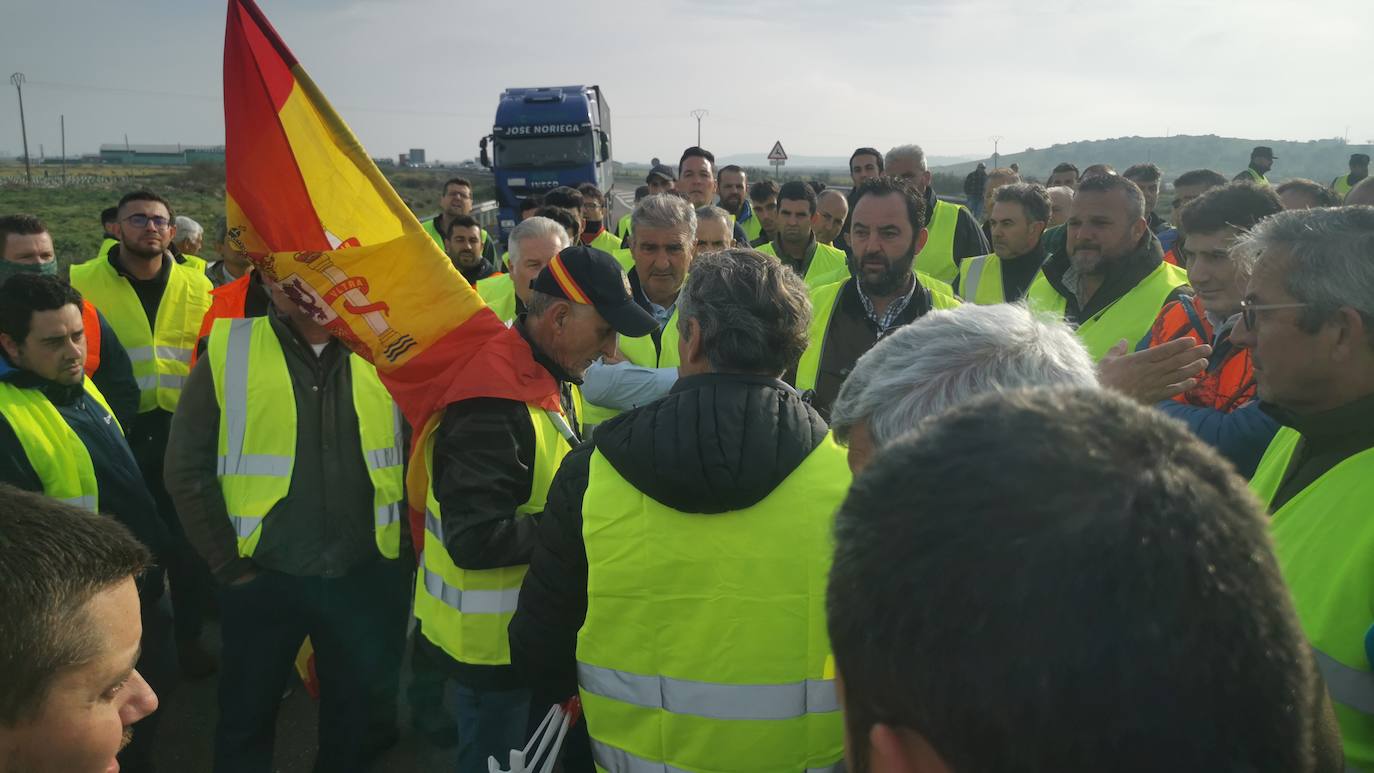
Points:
(796, 245)
(1359, 170)
(622, 227)
(763, 200)
(1111, 281)
(1017, 217)
(678, 578)
(849, 316)
(1306, 317)
(953, 232)
(697, 181)
(463, 244)
(489, 464)
(189, 242)
(832, 210)
(594, 212)
(732, 185)
(645, 368)
(155, 303)
(59, 437)
(1262, 159)
(714, 232)
(286, 465)
(533, 244)
(456, 200)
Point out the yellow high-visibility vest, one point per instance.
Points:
(257, 432)
(54, 450)
(1129, 317)
(161, 355)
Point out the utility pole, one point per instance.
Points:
(699, 114)
(64, 148)
(18, 80)
(996, 139)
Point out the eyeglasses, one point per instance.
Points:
(1248, 308)
(141, 221)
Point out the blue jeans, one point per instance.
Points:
(490, 724)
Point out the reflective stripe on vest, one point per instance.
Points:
(980, 280)
(90, 329)
(499, 293)
(936, 258)
(1130, 317)
(823, 309)
(1323, 538)
(257, 431)
(609, 758)
(828, 264)
(466, 612)
(669, 592)
(622, 228)
(58, 456)
(161, 356)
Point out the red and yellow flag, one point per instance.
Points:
(310, 209)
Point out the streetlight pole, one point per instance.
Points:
(996, 157)
(699, 114)
(18, 80)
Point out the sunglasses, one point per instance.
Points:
(1249, 308)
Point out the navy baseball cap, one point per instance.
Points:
(661, 170)
(586, 275)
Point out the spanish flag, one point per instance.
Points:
(306, 204)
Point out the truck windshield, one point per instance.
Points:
(534, 152)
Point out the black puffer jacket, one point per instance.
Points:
(716, 443)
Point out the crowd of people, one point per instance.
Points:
(768, 477)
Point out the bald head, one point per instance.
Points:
(1361, 194)
(831, 209)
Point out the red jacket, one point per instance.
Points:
(1229, 381)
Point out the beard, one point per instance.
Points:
(137, 250)
(892, 278)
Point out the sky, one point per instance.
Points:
(822, 77)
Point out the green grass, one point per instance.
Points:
(72, 213)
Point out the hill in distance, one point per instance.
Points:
(840, 163)
(1320, 160)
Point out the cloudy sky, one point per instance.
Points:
(823, 77)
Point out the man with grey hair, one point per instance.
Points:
(1308, 319)
(189, 239)
(945, 358)
(1112, 279)
(703, 518)
(1061, 199)
(533, 243)
(953, 231)
(663, 243)
(715, 232)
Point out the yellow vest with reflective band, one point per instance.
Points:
(1129, 317)
(937, 257)
(465, 612)
(499, 294)
(823, 309)
(625, 258)
(641, 352)
(161, 356)
(257, 432)
(1341, 185)
(1258, 178)
(980, 280)
(54, 450)
(752, 227)
(606, 242)
(622, 228)
(194, 261)
(105, 245)
(829, 264)
(705, 645)
(1323, 539)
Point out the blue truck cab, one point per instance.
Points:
(546, 137)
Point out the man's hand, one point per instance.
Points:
(1154, 374)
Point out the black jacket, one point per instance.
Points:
(716, 443)
(119, 483)
(115, 376)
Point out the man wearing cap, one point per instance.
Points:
(1262, 159)
(661, 179)
(506, 426)
(1359, 169)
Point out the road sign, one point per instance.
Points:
(777, 153)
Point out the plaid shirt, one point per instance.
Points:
(894, 310)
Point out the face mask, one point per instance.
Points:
(8, 269)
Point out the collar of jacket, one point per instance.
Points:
(117, 262)
(706, 380)
(1352, 420)
(546, 362)
(931, 199)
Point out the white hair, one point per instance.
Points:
(1325, 255)
(913, 152)
(1060, 190)
(667, 211)
(188, 230)
(531, 228)
(946, 357)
